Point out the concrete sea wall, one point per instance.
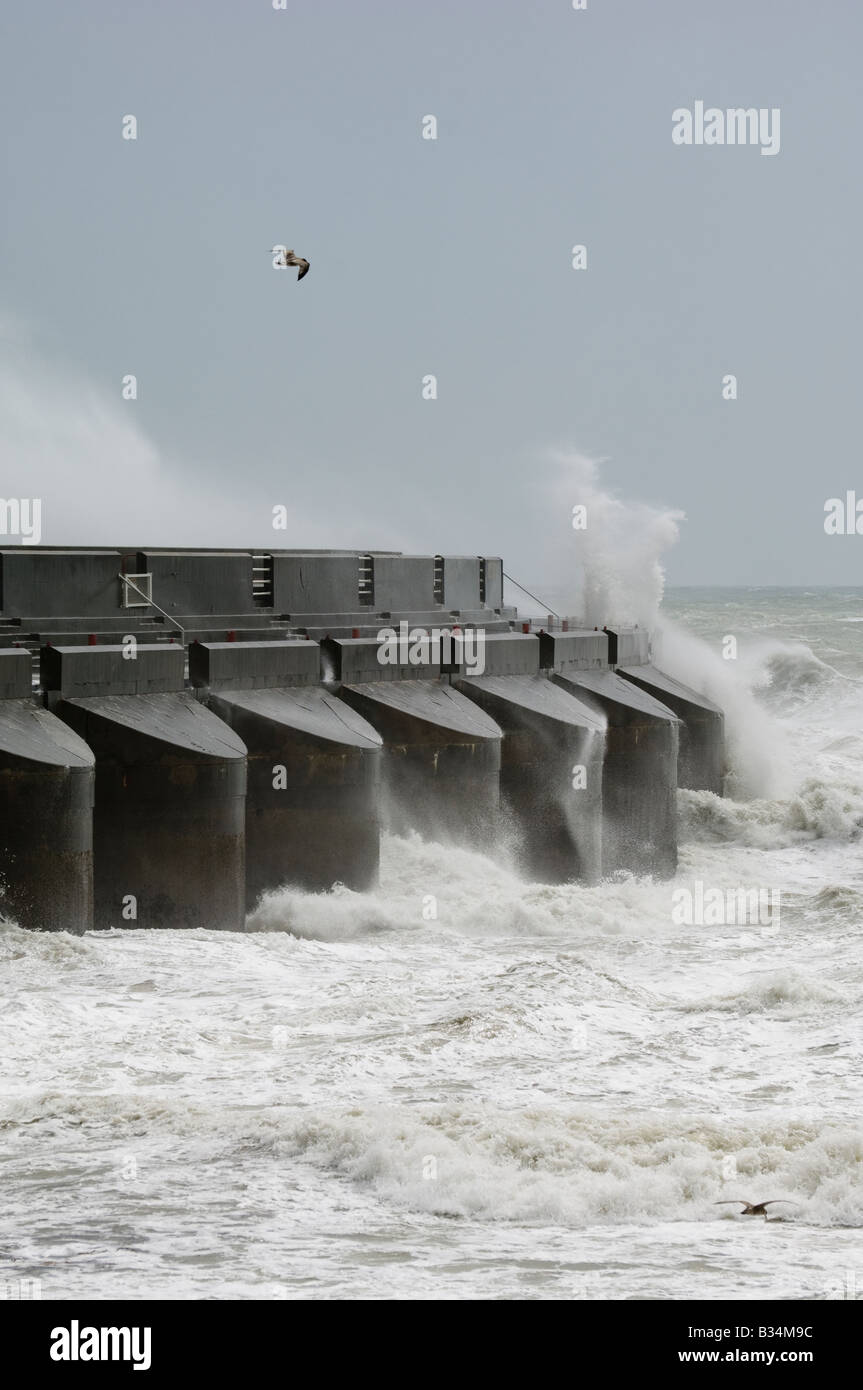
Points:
(182, 731)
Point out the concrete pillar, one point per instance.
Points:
(640, 761)
(441, 764)
(701, 758)
(170, 787)
(639, 777)
(441, 755)
(313, 803)
(551, 761)
(47, 779)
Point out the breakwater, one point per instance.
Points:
(181, 731)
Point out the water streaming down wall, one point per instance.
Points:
(551, 759)
(441, 755)
(639, 772)
(289, 743)
(700, 758)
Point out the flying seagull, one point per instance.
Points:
(289, 258)
(755, 1208)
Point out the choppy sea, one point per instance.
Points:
(538, 1093)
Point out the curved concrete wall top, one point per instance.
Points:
(430, 702)
(662, 684)
(312, 711)
(142, 693)
(31, 735)
(612, 689)
(178, 721)
(533, 695)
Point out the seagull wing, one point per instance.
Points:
(304, 268)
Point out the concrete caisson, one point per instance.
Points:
(312, 804)
(571, 743)
(551, 761)
(702, 734)
(47, 787)
(640, 756)
(441, 755)
(168, 828)
(639, 775)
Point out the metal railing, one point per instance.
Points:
(127, 580)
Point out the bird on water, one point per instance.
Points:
(755, 1208)
(291, 258)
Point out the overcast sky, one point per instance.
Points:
(449, 257)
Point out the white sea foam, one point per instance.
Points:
(354, 1098)
(541, 1166)
(616, 573)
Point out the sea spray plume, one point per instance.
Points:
(619, 550)
(618, 556)
(758, 757)
(756, 690)
(80, 450)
